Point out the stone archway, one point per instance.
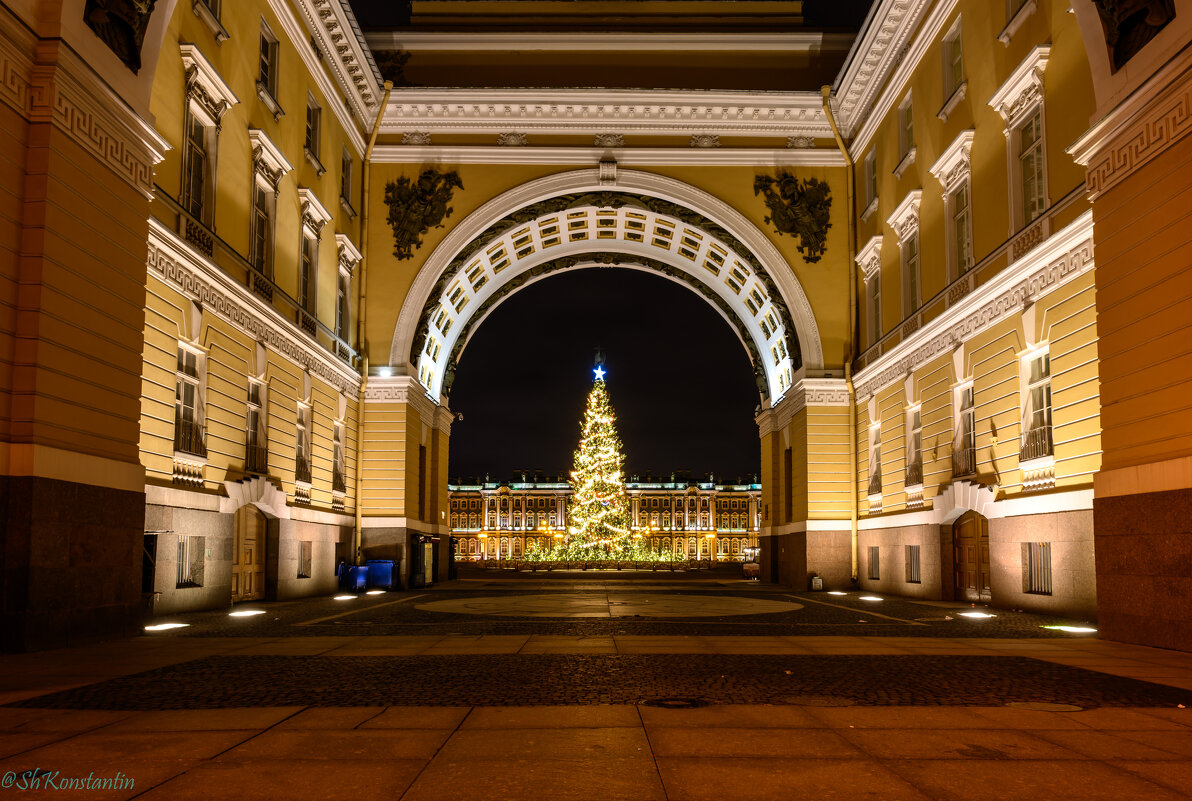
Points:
(574, 219)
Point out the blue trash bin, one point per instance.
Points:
(380, 573)
(354, 578)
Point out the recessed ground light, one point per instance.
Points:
(836, 592)
(1072, 629)
(246, 612)
(870, 598)
(164, 626)
(976, 614)
(375, 592)
(345, 597)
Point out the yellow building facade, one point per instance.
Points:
(240, 268)
(680, 519)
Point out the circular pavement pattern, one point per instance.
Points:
(610, 605)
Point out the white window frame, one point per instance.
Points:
(257, 435)
(1028, 407)
(197, 382)
(953, 169)
(268, 66)
(208, 97)
(869, 172)
(906, 134)
(875, 460)
(905, 222)
(1019, 100)
(312, 142)
(303, 445)
(1017, 12)
(955, 86)
(914, 443)
(192, 552)
(347, 169)
(959, 412)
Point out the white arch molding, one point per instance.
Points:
(628, 181)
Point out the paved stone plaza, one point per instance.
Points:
(594, 686)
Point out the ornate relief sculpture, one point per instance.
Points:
(121, 24)
(1130, 24)
(798, 208)
(415, 208)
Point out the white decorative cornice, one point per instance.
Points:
(591, 156)
(1153, 118)
(705, 140)
(205, 84)
(1023, 90)
(824, 391)
(401, 389)
(881, 49)
(325, 69)
(1060, 258)
(314, 213)
(905, 219)
(870, 257)
(415, 138)
(176, 263)
(333, 30)
(266, 157)
(349, 255)
(512, 140)
(587, 112)
(801, 142)
(955, 163)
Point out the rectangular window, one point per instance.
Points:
(302, 450)
(343, 309)
(267, 73)
(314, 124)
(914, 447)
(910, 272)
(306, 273)
(906, 127)
(190, 560)
(875, 459)
(870, 178)
(1036, 440)
(913, 574)
(262, 227)
(964, 455)
(1036, 568)
(875, 306)
(788, 485)
(305, 554)
(953, 62)
(1030, 160)
(422, 484)
(189, 436)
(256, 456)
(212, 6)
(875, 567)
(345, 178)
(196, 168)
(338, 483)
(962, 229)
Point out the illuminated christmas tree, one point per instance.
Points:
(599, 508)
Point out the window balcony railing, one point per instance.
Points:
(189, 437)
(256, 458)
(914, 474)
(260, 284)
(875, 484)
(302, 469)
(1036, 444)
(964, 462)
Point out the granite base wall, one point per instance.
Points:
(892, 561)
(1073, 569)
(1144, 568)
(215, 590)
(70, 565)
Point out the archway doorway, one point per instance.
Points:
(970, 557)
(249, 549)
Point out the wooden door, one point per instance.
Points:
(248, 555)
(970, 546)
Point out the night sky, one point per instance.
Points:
(680, 381)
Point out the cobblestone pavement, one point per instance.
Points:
(665, 679)
(821, 614)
